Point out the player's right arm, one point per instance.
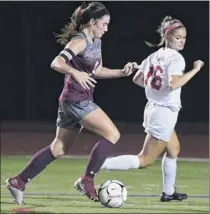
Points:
(59, 64)
(73, 48)
(138, 78)
(176, 81)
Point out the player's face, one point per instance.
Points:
(177, 39)
(100, 26)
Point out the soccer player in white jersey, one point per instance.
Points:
(162, 75)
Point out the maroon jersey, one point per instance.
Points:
(84, 61)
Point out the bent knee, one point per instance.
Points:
(144, 161)
(113, 136)
(57, 148)
(173, 153)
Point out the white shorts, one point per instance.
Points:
(159, 121)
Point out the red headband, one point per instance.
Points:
(172, 27)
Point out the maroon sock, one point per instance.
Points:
(97, 157)
(37, 163)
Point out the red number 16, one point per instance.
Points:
(156, 82)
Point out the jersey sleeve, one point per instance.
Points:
(142, 66)
(176, 66)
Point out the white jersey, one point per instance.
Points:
(157, 68)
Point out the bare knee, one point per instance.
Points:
(151, 150)
(177, 150)
(57, 148)
(144, 161)
(173, 153)
(113, 136)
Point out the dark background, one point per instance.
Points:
(30, 88)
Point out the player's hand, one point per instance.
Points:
(84, 79)
(129, 68)
(198, 64)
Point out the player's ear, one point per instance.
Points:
(92, 22)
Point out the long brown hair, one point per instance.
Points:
(80, 18)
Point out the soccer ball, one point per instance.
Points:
(112, 193)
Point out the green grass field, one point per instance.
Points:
(53, 192)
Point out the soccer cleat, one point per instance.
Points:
(86, 186)
(176, 197)
(16, 188)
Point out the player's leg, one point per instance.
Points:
(154, 144)
(169, 165)
(42, 158)
(169, 168)
(151, 150)
(38, 163)
(99, 123)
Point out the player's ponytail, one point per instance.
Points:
(151, 45)
(80, 19)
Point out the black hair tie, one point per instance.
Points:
(84, 5)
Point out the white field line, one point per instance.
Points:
(179, 159)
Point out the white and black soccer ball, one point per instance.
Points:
(112, 193)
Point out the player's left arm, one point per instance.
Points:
(176, 74)
(106, 73)
(176, 81)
